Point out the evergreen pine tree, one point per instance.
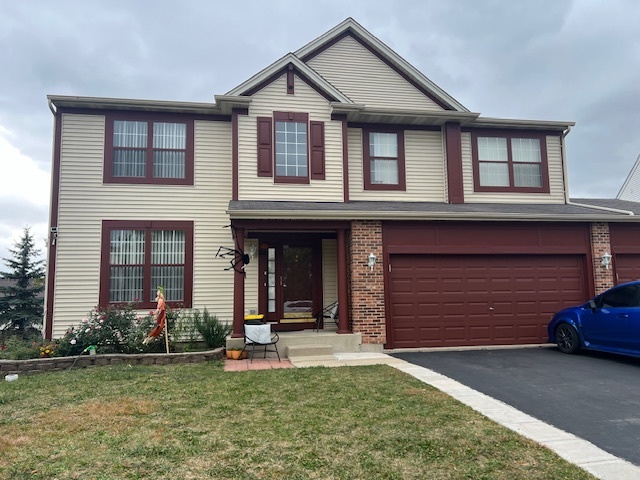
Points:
(21, 310)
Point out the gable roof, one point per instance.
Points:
(404, 68)
(278, 67)
(348, 27)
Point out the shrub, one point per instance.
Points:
(186, 333)
(15, 348)
(213, 331)
(115, 329)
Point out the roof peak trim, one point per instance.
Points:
(281, 64)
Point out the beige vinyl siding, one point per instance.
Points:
(356, 180)
(329, 271)
(329, 277)
(85, 201)
(631, 190)
(366, 79)
(274, 98)
(556, 186)
(424, 167)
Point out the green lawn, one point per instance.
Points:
(197, 422)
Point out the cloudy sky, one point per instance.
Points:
(534, 59)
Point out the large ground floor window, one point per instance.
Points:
(138, 256)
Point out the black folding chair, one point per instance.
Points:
(329, 312)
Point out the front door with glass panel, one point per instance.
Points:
(288, 285)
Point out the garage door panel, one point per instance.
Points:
(504, 332)
(627, 267)
(480, 299)
(481, 333)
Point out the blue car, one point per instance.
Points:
(608, 323)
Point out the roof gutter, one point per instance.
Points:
(606, 209)
(51, 106)
(132, 104)
(411, 215)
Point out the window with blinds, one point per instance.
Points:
(148, 151)
(142, 256)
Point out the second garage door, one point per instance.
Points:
(627, 267)
(455, 300)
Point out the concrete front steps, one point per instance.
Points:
(311, 355)
(311, 346)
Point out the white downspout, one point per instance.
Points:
(565, 171)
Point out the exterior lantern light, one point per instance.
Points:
(372, 261)
(606, 260)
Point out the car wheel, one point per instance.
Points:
(567, 338)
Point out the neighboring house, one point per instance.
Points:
(333, 157)
(631, 187)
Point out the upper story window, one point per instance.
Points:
(511, 162)
(139, 256)
(384, 167)
(290, 148)
(148, 149)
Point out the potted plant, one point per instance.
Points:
(236, 353)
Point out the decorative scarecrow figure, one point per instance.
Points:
(160, 316)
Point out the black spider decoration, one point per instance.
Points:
(236, 254)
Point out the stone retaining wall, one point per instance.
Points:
(26, 367)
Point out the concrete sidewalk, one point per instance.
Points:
(586, 455)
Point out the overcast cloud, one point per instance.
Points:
(539, 59)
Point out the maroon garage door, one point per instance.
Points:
(454, 300)
(627, 267)
(625, 247)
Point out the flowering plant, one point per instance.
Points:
(115, 329)
(47, 350)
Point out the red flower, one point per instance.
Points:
(3, 347)
(150, 312)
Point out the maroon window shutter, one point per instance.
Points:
(317, 150)
(265, 147)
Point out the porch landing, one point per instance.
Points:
(310, 344)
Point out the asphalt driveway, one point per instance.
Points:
(594, 396)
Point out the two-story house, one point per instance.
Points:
(344, 174)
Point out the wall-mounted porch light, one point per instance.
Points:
(372, 261)
(606, 260)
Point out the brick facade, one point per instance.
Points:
(600, 243)
(366, 287)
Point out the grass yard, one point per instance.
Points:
(198, 422)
